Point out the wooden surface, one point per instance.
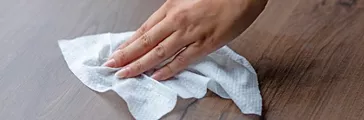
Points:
(309, 55)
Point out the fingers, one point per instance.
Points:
(140, 46)
(154, 19)
(164, 50)
(191, 54)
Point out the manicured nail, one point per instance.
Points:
(157, 76)
(123, 73)
(110, 63)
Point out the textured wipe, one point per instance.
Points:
(224, 72)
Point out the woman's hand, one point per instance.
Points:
(191, 28)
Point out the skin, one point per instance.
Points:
(186, 31)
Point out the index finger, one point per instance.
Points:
(141, 46)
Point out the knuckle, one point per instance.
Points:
(145, 40)
(138, 66)
(143, 29)
(169, 69)
(191, 29)
(180, 18)
(160, 51)
(199, 43)
(211, 41)
(180, 60)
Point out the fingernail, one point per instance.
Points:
(157, 76)
(110, 63)
(123, 73)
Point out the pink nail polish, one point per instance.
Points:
(123, 73)
(110, 63)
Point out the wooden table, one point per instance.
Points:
(309, 55)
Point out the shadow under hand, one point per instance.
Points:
(210, 107)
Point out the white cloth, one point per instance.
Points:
(223, 72)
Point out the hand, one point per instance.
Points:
(185, 29)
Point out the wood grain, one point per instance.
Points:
(309, 55)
